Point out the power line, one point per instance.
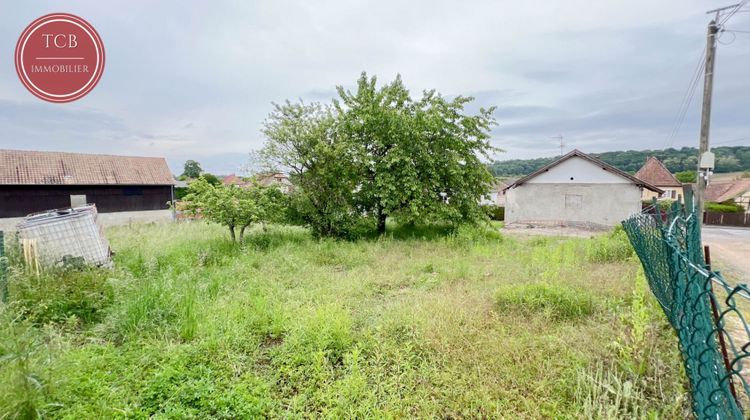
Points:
(690, 91)
(737, 7)
(687, 98)
(732, 141)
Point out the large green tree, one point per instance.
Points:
(419, 160)
(377, 153)
(303, 139)
(192, 169)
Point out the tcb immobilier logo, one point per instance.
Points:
(59, 57)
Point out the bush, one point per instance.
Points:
(495, 212)
(725, 207)
(686, 177)
(180, 193)
(56, 295)
(553, 301)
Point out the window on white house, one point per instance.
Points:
(573, 201)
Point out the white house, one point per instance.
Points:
(575, 190)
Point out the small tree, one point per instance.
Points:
(211, 178)
(233, 206)
(192, 169)
(687, 177)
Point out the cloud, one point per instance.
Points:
(194, 80)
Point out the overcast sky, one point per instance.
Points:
(194, 80)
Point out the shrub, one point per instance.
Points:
(686, 177)
(59, 294)
(725, 207)
(552, 301)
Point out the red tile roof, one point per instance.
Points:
(21, 167)
(233, 179)
(723, 191)
(654, 172)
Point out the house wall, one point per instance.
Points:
(591, 204)
(577, 170)
(20, 200)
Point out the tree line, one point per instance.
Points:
(728, 159)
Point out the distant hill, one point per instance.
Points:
(728, 159)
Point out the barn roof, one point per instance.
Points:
(577, 153)
(722, 191)
(21, 167)
(655, 173)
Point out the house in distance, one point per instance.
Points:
(575, 190)
(655, 173)
(123, 188)
(266, 179)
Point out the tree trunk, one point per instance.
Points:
(231, 233)
(381, 221)
(242, 233)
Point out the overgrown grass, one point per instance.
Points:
(423, 322)
(557, 302)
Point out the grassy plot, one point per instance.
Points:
(420, 323)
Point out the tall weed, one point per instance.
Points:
(556, 302)
(613, 247)
(22, 368)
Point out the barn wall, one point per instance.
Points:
(9, 224)
(20, 200)
(588, 204)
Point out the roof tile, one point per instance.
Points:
(654, 172)
(20, 167)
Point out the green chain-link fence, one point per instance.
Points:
(707, 313)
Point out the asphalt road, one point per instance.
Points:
(730, 250)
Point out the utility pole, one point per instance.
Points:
(708, 84)
(560, 137)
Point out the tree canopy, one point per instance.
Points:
(192, 169)
(376, 152)
(235, 207)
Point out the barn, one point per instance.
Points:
(124, 188)
(575, 190)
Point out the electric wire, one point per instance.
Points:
(687, 99)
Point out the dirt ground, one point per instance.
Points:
(570, 231)
(730, 250)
